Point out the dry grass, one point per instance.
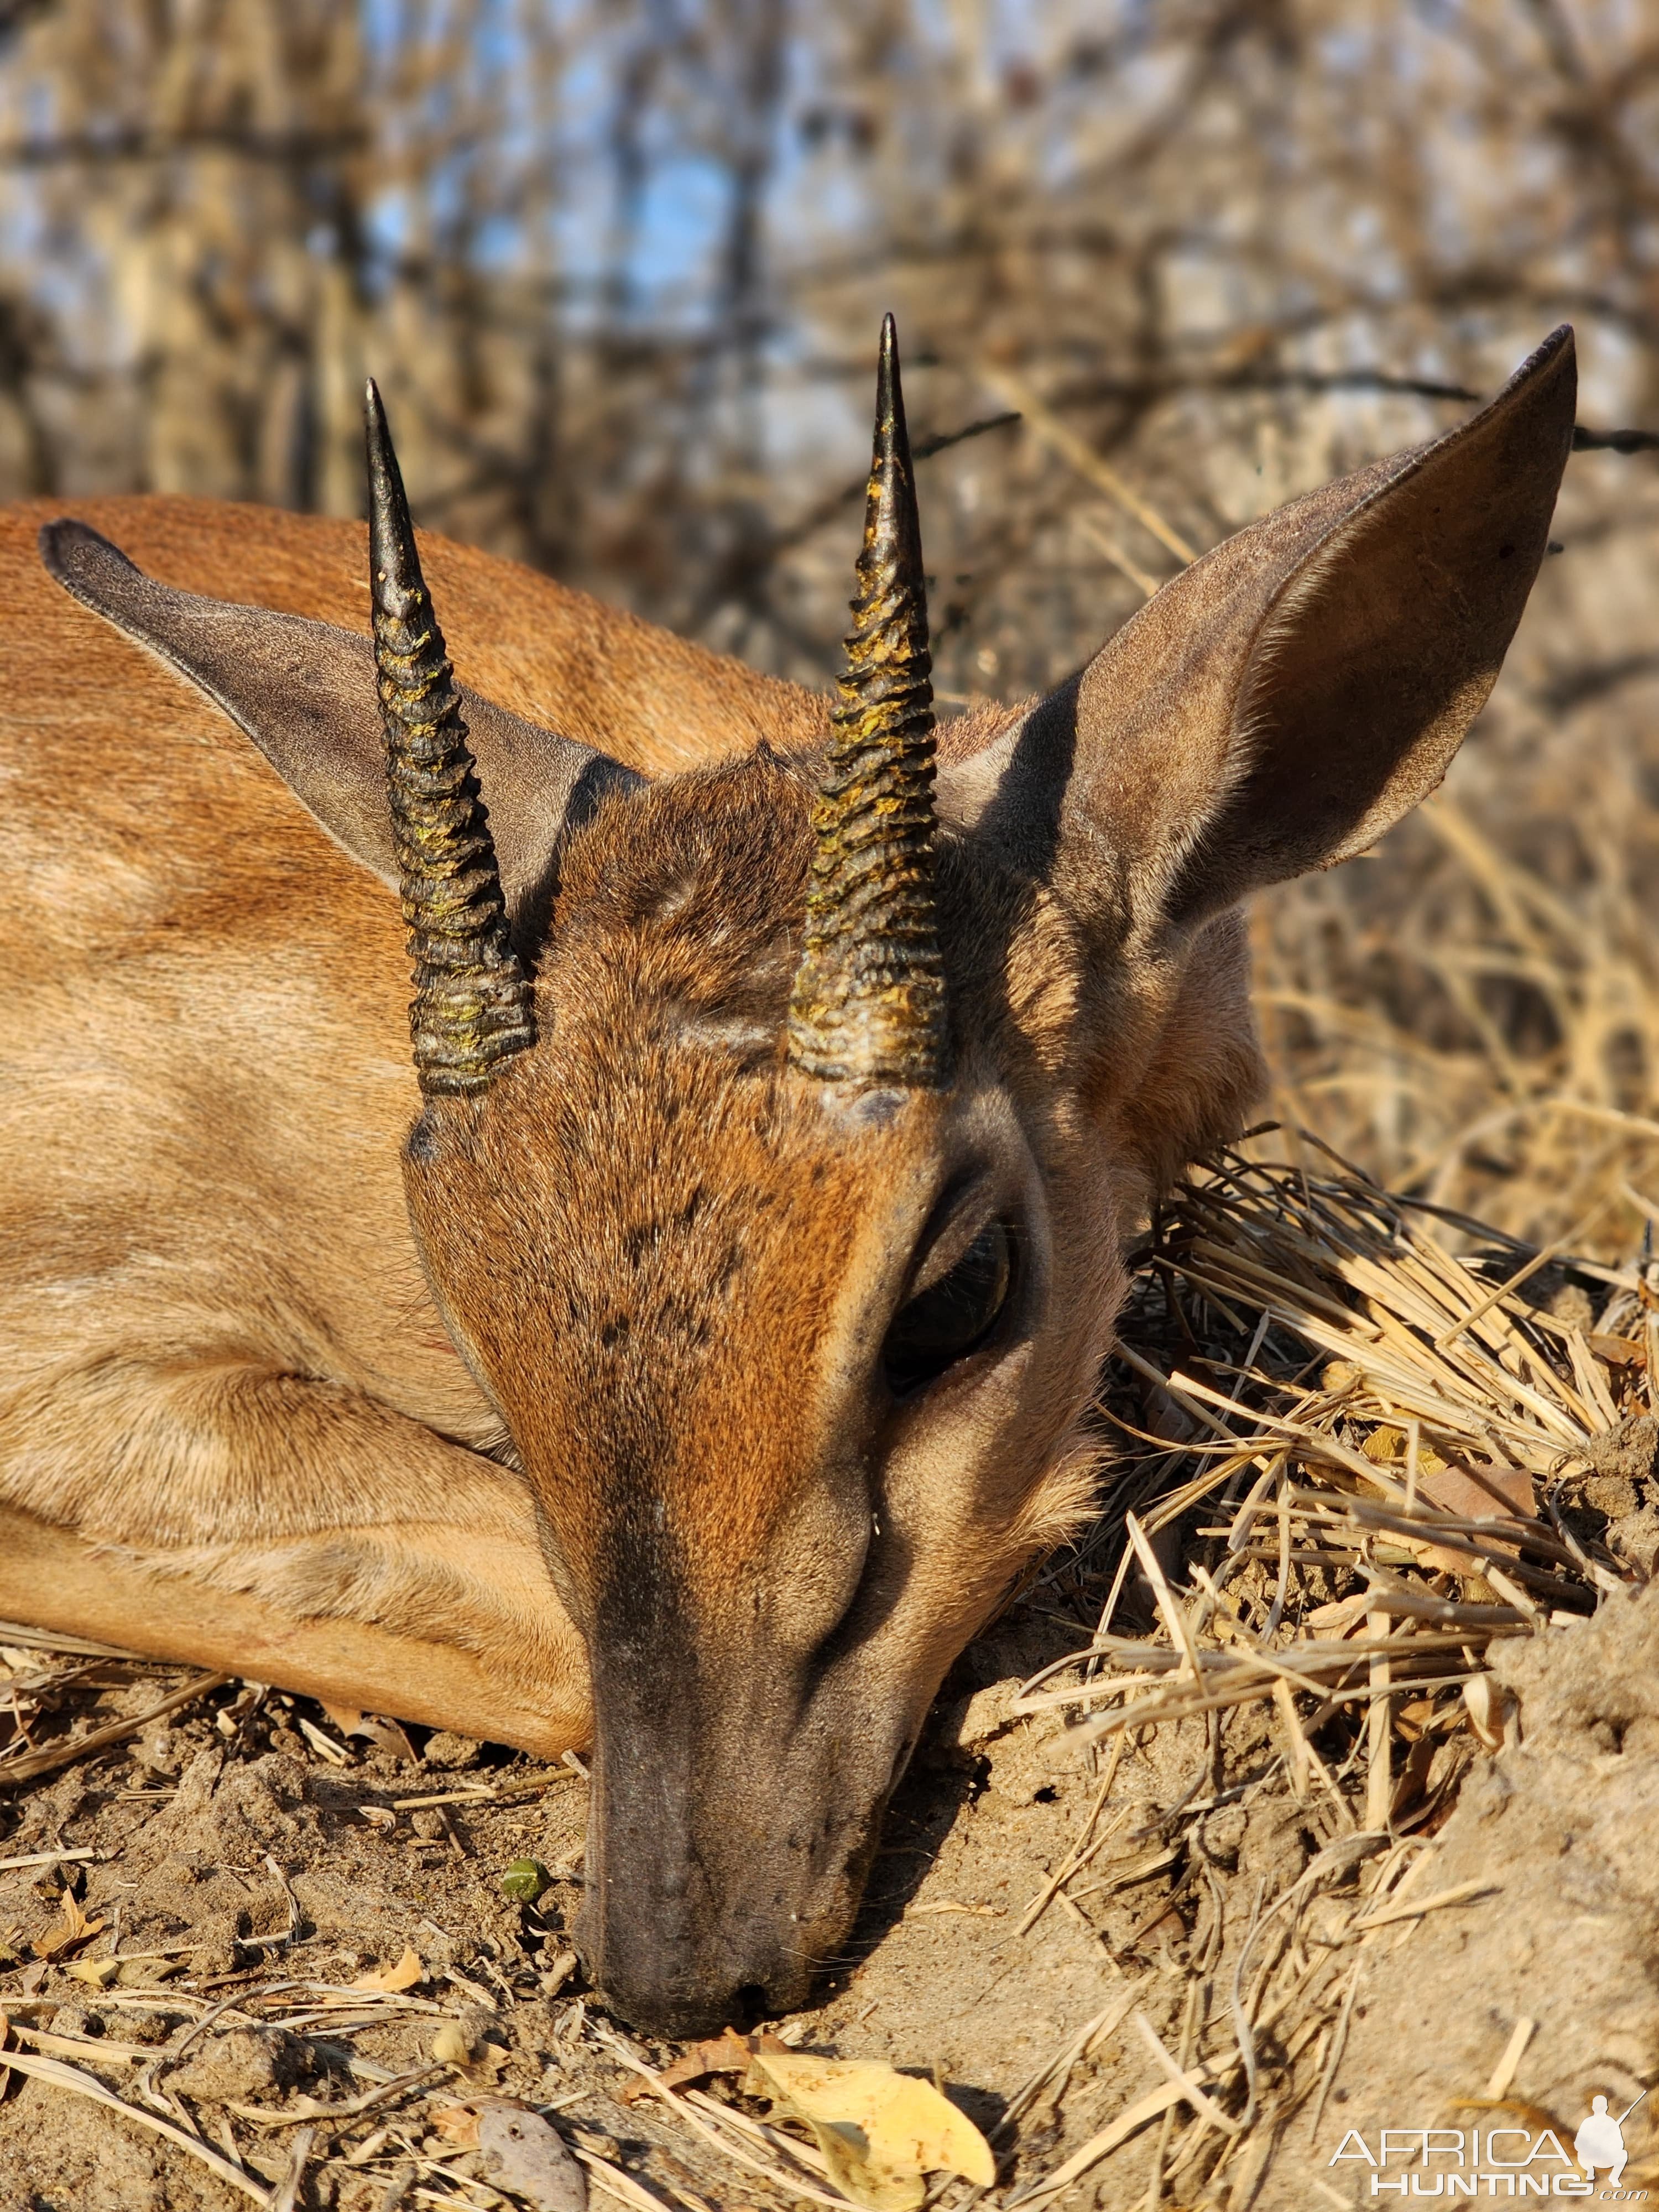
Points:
(1473, 1013)
(1352, 1459)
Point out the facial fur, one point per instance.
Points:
(673, 1262)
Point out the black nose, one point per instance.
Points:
(677, 2007)
(678, 1974)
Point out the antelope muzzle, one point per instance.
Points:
(729, 1842)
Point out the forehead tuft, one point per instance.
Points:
(717, 859)
(678, 921)
(682, 910)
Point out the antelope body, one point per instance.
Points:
(688, 1351)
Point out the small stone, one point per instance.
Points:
(1610, 1494)
(1628, 1451)
(522, 2153)
(160, 1750)
(445, 1749)
(239, 2064)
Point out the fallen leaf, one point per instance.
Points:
(408, 1970)
(383, 1735)
(458, 2125)
(522, 2153)
(727, 2053)
(1341, 1614)
(71, 1927)
(335, 1753)
(1454, 1489)
(98, 1973)
(1491, 1709)
(451, 2046)
(1617, 1351)
(879, 2130)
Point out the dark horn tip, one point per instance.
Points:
(887, 369)
(391, 536)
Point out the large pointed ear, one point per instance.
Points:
(1293, 693)
(304, 692)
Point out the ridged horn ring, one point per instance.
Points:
(472, 1008)
(869, 1003)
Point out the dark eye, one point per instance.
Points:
(945, 1322)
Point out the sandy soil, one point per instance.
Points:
(205, 1843)
(200, 1844)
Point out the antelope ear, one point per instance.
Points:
(305, 693)
(1291, 695)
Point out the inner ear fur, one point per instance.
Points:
(1293, 693)
(305, 693)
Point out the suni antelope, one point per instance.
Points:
(686, 1348)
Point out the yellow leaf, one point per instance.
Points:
(98, 1972)
(408, 1971)
(879, 2130)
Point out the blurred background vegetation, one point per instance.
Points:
(1159, 266)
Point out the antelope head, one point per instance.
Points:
(783, 1122)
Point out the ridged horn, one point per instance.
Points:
(472, 1008)
(868, 1005)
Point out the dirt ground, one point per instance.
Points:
(210, 1846)
(200, 1846)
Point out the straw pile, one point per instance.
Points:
(1352, 1457)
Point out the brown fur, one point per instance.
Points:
(588, 1395)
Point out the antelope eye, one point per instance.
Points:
(954, 1315)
